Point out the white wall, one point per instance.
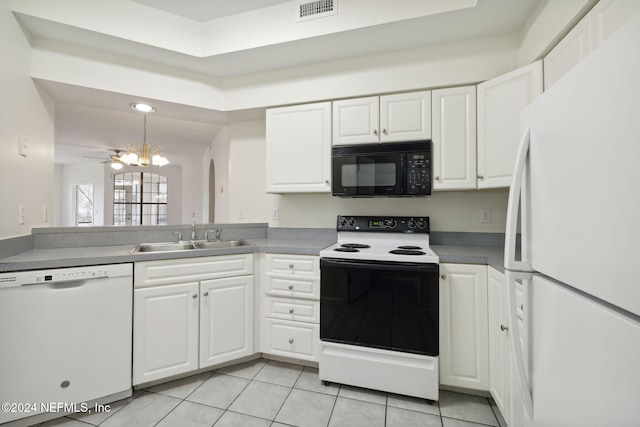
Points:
(67, 177)
(24, 111)
(191, 191)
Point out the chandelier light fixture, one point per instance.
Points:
(143, 155)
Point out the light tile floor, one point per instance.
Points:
(269, 393)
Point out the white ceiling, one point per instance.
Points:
(90, 121)
(206, 10)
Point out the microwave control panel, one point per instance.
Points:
(419, 173)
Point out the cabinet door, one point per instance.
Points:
(607, 16)
(299, 149)
(500, 102)
(454, 138)
(463, 326)
(165, 331)
(572, 49)
(226, 319)
(499, 355)
(405, 117)
(356, 121)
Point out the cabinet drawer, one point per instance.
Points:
(290, 286)
(292, 264)
(293, 309)
(292, 339)
(165, 272)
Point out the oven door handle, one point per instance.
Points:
(379, 265)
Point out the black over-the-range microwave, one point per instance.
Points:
(391, 169)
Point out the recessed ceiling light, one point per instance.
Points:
(144, 108)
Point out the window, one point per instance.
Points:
(139, 199)
(84, 205)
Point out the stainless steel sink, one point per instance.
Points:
(186, 246)
(163, 247)
(203, 244)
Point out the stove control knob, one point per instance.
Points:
(391, 223)
(412, 223)
(422, 223)
(343, 222)
(352, 222)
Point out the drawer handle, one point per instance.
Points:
(206, 294)
(522, 307)
(290, 340)
(290, 265)
(194, 296)
(290, 287)
(444, 276)
(503, 328)
(291, 310)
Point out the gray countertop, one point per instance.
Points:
(95, 255)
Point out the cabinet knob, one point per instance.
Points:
(326, 181)
(206, 294)
(194, 296)
(437, 178)
(375, 131)
(522, 307)
(290, 340)
(290, 265)
(480, 177)
(503, 328)
(291, 311)
(290, 287)
(384, 131)
(444, 276)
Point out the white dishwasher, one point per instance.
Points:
(65, 338)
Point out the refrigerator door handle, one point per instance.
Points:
(517, 197)
(514, 339)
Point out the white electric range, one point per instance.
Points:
(379, 306)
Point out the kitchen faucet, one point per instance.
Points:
(193, 226)
(206, 234)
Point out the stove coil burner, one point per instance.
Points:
(354, 246)
(406, 252)
(410, 248)
(346, 250)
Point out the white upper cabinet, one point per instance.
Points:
(405, 117)
(602, 21)
(356, 121)
(572, 49)
(298, 156)
(454, 138)
(500, 102)
(387, 118)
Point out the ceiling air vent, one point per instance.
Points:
(307, 10)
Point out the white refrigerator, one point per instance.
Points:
(573, 283)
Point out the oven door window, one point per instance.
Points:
(392, 306)
(367, 175)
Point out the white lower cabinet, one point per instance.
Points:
(291, 306)
(464, 355)
(226, 319)
(499, 355)
(183, 326)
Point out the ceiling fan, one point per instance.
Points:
(114, 159)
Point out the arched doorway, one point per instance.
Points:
(212, 192)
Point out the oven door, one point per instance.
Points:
(386, 305)
(372, 174)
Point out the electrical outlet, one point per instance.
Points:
(22, 215)
(275, 214)
(45, 213)
(485, 216)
